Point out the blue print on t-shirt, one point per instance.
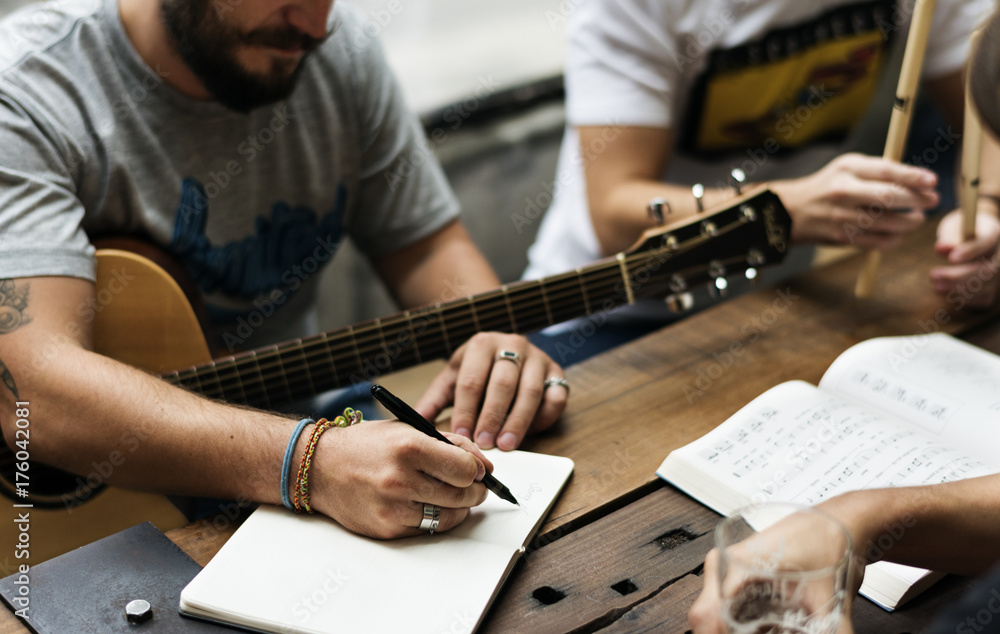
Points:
(256, 264)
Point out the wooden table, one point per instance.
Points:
(622, 551)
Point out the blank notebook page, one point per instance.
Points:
(288, 572)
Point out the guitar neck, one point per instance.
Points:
(282, 374)
(750, 233)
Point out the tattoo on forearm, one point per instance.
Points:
(8, 379)
(13, 303)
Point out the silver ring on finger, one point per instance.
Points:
(431, 518)
(509, 355)
(557, 380)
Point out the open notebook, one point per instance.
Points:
(889, 412)
(282, 572)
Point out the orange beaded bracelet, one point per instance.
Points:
(301, 499)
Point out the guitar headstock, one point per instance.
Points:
(738, 238)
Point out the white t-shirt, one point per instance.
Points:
(735, 80)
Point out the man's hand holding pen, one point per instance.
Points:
(387, 481)
(411, 417)
(377, 477)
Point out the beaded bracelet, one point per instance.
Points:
(287, 462)
(301, 500)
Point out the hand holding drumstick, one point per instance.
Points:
(969, 238)
(899, 124)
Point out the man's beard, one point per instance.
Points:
(209, 46)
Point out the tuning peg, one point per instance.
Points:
(754, 258)
(680, 302)
(655, 210)
(719, 287)
(677, 283)
(698, 191)
(736, 179)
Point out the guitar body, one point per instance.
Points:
(148, 323)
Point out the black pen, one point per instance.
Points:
(408, 415)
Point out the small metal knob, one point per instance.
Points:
(655, 209)
(680, 302)
(718, 288)
(698, 191)
(736, 179)
(138, 611)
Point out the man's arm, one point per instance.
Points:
(373, 477)
(495, 403)
(845, 202)
(424, 273)
(947, 527)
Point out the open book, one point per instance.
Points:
(889, 412)
(282, 572)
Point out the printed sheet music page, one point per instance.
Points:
(892, 411)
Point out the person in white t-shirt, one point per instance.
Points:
(946, 527)
(665, 95)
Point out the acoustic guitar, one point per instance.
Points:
(150, 324)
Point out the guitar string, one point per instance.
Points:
(556, 290)
(275, 354)
(340, 354)
(566, 282)
(255, 395)
(496, 317)
(350, 346)
(498, 313)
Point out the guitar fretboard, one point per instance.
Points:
(282, 374)
(667, 263)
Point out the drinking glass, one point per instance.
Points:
(789, 579)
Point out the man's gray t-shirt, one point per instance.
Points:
(94, 143)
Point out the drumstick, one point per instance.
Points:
(899, 124)
(972, 148)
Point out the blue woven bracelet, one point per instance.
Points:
(285, 498)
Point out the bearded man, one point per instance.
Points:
(245, 139)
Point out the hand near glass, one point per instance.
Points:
(796, 577)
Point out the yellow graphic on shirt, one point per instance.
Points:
(819, 93)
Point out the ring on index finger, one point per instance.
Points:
(509, 355)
